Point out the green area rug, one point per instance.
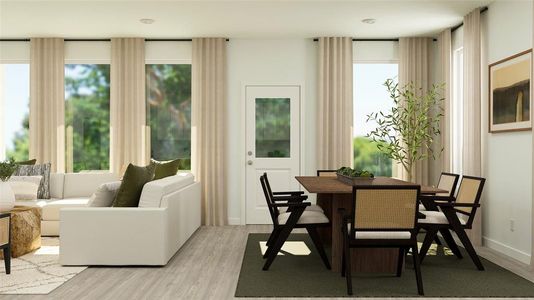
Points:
(300, 272)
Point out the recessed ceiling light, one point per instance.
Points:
(369, 21)
(147, 21)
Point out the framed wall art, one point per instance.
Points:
(510, 86)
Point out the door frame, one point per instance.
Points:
(243, 147)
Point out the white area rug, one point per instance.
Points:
(38, 272)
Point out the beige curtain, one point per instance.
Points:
(128, 106)
(209, 127)
(471, 160)
(414, 67)
(445, 55)
(334, 117)
(47, 102)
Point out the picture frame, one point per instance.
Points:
(510, 87)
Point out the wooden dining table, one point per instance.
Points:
(332, 195)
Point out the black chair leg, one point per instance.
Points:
(7, 259)
(348, 266)
(277, 245)
(449, 240)
(272, 238)
(431, 234)
(437, 241)
(400, 261)
(312, 231)
(460, 232)
(417, 267)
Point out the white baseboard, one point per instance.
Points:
(234, 221)
(507, 250)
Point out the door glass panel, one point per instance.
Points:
(272, 127)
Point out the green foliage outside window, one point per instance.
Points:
(368, 157)
(87, 117)
(169, 112)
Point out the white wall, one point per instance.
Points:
(507, 157)
(266, 61)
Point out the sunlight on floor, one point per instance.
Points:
(292, 248)
(47, 250)
(433, 250)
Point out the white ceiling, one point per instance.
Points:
(233, 19)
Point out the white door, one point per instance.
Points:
(272, 145)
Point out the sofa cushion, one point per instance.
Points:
(133, 181)
(25, 187)
(154, 191)
(56, 185)
(105, 194)
(85, 184)
(165, 168)
(50, 210)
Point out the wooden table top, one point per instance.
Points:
(330, 185)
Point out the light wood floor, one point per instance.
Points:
(207, 267)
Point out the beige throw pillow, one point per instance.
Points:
(25, 187)
(105, 194)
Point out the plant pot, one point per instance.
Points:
(7, 197)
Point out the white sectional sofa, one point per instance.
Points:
(168, 214)
(66, 190)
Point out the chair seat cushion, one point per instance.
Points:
(422, 208)
(383, 235)
(309, 208)
(307, 217)
(438, 217)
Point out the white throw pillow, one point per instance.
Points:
(25, 187)
(105, 194)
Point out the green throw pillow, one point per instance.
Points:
(132, 185)
(30, 162)
(165, 168)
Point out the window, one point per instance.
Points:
(457, 111)
(168, 88)
(370, 95)
(87, 117)
(14, 111)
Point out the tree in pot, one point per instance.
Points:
(7, 197)
(407, 132)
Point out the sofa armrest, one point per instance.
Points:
(113, 236)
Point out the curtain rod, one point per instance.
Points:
(102, 40)
(372, 40)
(453, 29)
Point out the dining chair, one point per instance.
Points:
(280, 195)
(327, 173)
(382, 217)
(294, 217)
(447, 182)
(457, 215)
(5, 240)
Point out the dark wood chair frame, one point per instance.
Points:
(296, 207)
(404, 245)
(448, 206)
(7, 247)
(428, 203)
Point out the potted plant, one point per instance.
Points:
(7, 197)
(406, 132)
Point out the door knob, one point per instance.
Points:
(249, 163)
